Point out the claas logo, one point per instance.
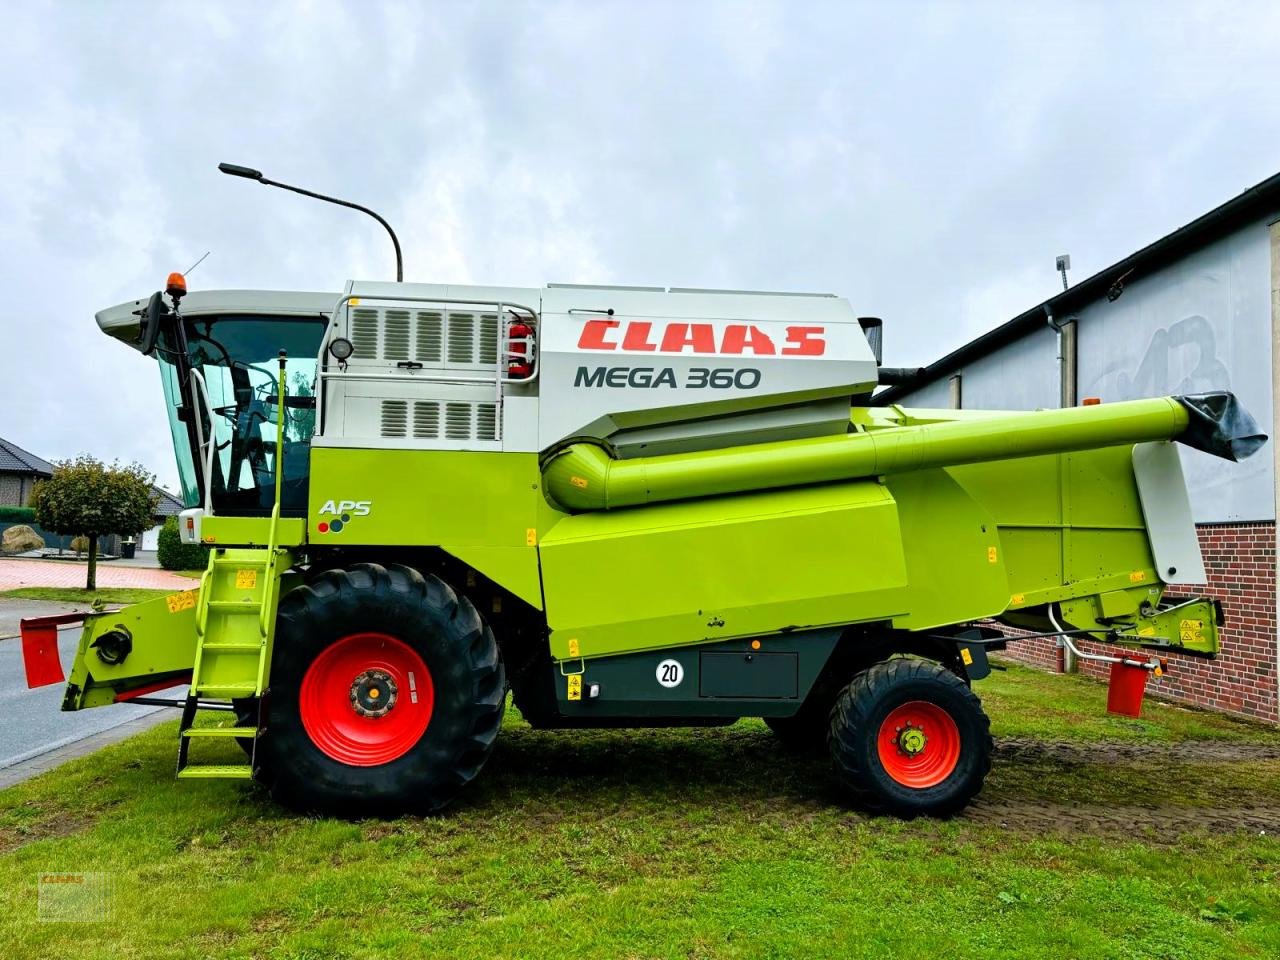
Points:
(340, 513)
(734, 339)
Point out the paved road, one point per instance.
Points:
(20, 572)
(31, 723)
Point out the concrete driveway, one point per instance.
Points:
(34, 734)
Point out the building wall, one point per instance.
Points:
(11, 490)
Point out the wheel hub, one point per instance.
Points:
(373, 693)
(911, 740)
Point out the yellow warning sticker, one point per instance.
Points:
(531, 537)
(966, 656)
(579, 482)
(1137, 576)
(991, 555)
(575, 686)
(246, 579)
(1019, 599)
(573, 648)
(177, 602)
(1191, 631)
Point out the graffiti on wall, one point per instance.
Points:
(1181, 358)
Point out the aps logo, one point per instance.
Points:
(340, 513)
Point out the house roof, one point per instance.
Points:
(1218, 222)
(13, 459)
(167, 505)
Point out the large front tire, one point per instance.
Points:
(386, 695)
(909, 737)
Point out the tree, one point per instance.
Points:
(87, 498)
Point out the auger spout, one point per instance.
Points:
(585, 477)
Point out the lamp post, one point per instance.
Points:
(248, 173)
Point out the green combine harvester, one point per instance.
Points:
(626, 507)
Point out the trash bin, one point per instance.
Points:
(128, 548)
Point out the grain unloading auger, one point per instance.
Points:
(629, 507)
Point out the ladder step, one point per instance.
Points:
(220, 732)
(231, 645)
(227, 689)
(236, 606)
(217, 772)
(247, 564)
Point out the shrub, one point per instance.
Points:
(79, 544)
(18, 515)
(173, 554)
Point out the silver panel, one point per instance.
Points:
(1167, 510)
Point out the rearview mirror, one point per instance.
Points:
(149, 325)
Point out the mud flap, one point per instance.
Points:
(40, 658)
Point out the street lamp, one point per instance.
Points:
(248, 173)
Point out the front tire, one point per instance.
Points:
(387, 694)
(909, 737)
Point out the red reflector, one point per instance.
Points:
(1090, 401)
(40, 648)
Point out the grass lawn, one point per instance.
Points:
(81, 595)
(1096, 837)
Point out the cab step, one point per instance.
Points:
(221, 732)
(221, 771)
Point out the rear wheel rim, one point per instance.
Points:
(345, 695)
(919, 744)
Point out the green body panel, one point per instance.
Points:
(163, 632)
(1070, 525)
(252, 531)
(709, 570)
(487, 509)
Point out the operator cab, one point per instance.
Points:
(218, 356)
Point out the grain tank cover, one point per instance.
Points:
(628, 356)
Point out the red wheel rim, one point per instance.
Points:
(919, 744)
(345, 693)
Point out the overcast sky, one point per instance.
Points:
(926, 161)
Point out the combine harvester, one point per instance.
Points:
(629, 507)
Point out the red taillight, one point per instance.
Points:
(519, 365)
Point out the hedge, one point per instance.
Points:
(18, 515)
(173, 554)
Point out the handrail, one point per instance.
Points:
(206, 466)
(269, 571)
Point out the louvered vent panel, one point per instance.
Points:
(395, 418)
(457, 421)
(364, 333)
(426, 419)
(486, 421)
(462, 338)
(489, 338)
(429, 345)
(395, 335)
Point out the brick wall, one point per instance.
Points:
(1240, 560)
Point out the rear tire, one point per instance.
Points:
(909, 737)
(387, 694)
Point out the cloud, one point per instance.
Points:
(927, 161)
